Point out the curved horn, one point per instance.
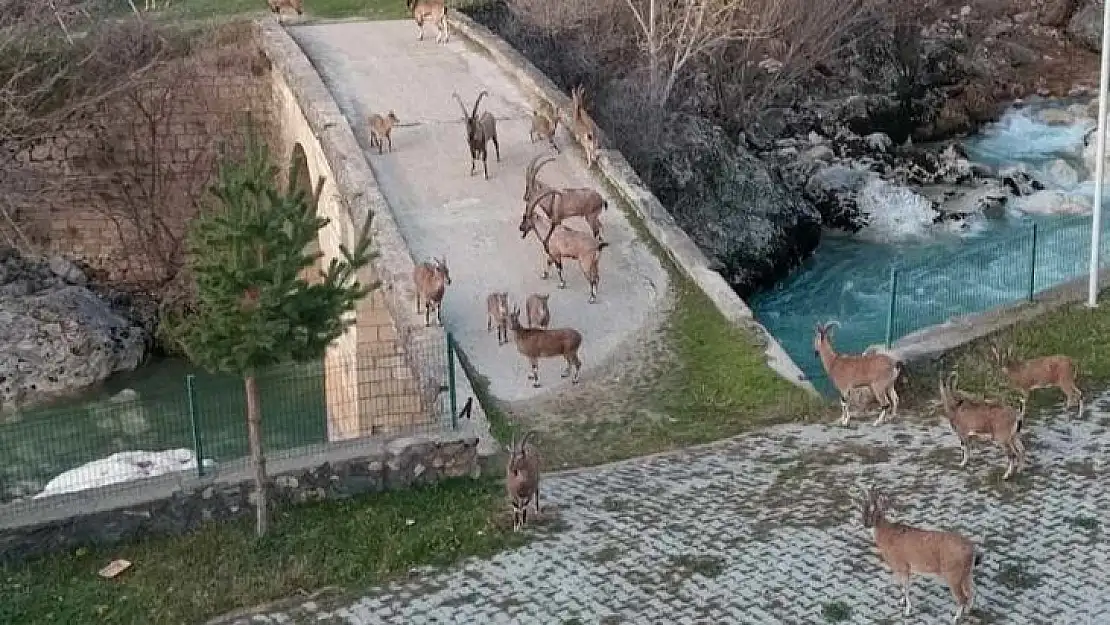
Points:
(480, 95)
(529, 173)
(530, 434)
(531, 208)
(547, 160)
(461, 104)
(831, 324)
(953, 380)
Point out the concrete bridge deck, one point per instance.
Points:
(442, 210)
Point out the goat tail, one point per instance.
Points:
(602, 245)
(604, 205)
(1020, 421)
(978, 559)
(897, 370)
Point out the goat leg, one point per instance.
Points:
(496, 147)
(439, 314)
(485, 166)
(906, 595)
(1009, 463)
(965, 447)
(845, 416)
(535, 375)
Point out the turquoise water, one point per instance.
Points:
(941, 271)
(38, 444)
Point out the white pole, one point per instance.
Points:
(1100, 164)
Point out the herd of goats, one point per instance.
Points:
(905, 549)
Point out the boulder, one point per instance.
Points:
(833, 191)
(732, 205)
(56, 337)
(1085, 27)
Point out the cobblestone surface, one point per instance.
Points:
(761, 529)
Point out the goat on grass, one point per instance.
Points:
(1026, 376)
(522, 478)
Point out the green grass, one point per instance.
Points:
(836, 611)
(1075, 330)
(186, 580)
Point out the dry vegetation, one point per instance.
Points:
(646, 58)
(112, 119)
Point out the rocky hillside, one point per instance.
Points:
(755, 186)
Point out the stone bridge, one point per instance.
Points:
(329, 78)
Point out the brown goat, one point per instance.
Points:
(433, 11)
(431, 280)
(972, 418)
(909, 550)
(522, 478)
(584, 127)
(536, 343)
(872, 369)
(574, 202)
(539, 315)
(1026, 376)
(545, 121)
(560, 243)
(479, 131)
(293, 5)
(382, 127)
(497, 311)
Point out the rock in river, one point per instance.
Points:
(57, 337)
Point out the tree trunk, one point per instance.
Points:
(258, 457)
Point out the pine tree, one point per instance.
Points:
(253, 309)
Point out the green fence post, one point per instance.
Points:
(191, 394)
(451, 381)
(890, 307)
(1033, 265)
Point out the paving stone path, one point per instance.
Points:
(762, 529)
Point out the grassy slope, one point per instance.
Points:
(1078, 331)
(350, 544)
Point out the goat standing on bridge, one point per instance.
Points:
(434, 10)
(573, 202)
(479, 131)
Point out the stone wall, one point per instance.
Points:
(101, 189)
(176, 504)
(614, 170)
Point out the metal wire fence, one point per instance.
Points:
(194, 415)
(930, 291)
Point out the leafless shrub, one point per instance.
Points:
(59, 61)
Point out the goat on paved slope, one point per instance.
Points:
(909, 550)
